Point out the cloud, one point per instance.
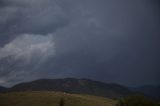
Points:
(2, 81)
(38, 17)
(27, 46)
(23, 56)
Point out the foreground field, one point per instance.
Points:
(52, 99)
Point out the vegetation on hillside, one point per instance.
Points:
(62, 102)
(137, 100)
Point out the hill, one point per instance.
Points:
(2, 89)
(52, 99)
(149, 90)
(72, 85)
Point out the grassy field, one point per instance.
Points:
(52, 99)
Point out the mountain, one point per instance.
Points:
(149, 90)
(72, 85)
(2, 89)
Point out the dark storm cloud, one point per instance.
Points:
(2, 3)
(112, 41)
(22, 16)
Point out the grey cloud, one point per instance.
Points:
(39, 17)
(112, 41)
(23, 55)
(26, 45)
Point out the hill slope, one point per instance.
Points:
(151, 91)
(2, 89)
(71, 85)
(52, 99)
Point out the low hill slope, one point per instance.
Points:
(150, 90)
(2, 89)
(52, 99)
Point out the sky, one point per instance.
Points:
(114, 41)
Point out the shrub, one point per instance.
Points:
(136, 100)
(61, 103)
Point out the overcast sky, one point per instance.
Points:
(107, 40)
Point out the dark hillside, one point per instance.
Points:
(72, 85)
(2, 89)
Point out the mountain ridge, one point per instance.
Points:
(74, 85)
(84, 86)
